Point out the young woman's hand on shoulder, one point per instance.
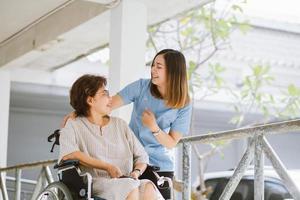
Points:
(71, 115)
(117, 101)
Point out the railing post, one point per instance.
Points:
(3, 186)
(18, 184)
(238, 172)
(259, 169)
(280, 169)
(186, 169)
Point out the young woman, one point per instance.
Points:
(105, 146)
(161, 109)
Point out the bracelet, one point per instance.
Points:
(155, 133)
(140, 172)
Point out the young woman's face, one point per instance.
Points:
(159, 71)
(101, 102)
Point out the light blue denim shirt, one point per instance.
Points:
(167, 119)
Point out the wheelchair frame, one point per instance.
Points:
(79, 187)
(85, 192)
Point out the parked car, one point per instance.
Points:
(274, 188)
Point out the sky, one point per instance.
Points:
(282, 10)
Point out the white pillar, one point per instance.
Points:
(128, 34)
(4, 115)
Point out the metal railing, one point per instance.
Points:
(44, 178)
(27, 187)
(257, 148)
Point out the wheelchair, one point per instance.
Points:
(73, 184)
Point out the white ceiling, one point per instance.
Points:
(70, 45)
(20, 14)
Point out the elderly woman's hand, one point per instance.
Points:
(114, 171)
(148, 120)
(135, 174)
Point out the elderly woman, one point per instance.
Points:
(105, 146)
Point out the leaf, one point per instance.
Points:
(192, 65)
(265, 111)
(265, 69)
(244, 93)
(247, 82)
(269, 79)
(197, 85)
(219, 68)
(236, 108)
(271, 98)
(244, 27)
(218, 143)
(191, 69)
(149, 44)
(237, 8)
(222, 28)
(293, 91)
(257, 70)
(207, 23)
(237, 119)
(185, 20)
(188, 32)
(194, 39)
(152, 29)
(258, 97)
(222, 155)
(219, 81)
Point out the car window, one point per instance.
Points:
(244, 190)
(215, 187)
(274, 190)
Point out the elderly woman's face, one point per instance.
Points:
(101, 102)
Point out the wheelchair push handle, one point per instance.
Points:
(55, 135)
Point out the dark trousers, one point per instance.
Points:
(165, 190)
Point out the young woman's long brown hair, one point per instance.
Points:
(177, 86)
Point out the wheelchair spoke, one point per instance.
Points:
(55, 191)
(59, 195)
(48, 195)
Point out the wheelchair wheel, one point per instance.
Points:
(55, 191)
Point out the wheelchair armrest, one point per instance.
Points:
(153, 168)
(66, 163)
